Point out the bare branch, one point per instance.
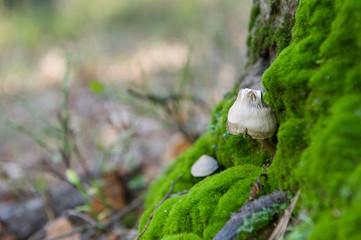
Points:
(267, 201)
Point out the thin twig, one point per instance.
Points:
(63, 116)
(167, 195)
(170, 105)
(116, 217)
(281, 227)
(179, 194)
(68, 138)
(83, 216)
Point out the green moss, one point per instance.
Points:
(260, 42)
(350, 220)
(158, 223)
(334, 148)
(206, 207)
(272, 35)
(326, 227)
(182, 236)
(314, 87)
(291, 142)
(339, 223)
(255, 11)
(282, 34)
(206, 212)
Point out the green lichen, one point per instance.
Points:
(255, 11)
(273, 34)
(257, 221)
(260, 42)
(282, 35)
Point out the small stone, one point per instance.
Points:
(204, 166)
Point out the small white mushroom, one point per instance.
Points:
(249, 114)
(204, 166)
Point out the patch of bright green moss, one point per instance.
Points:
(206, 207)
(182, 236)
(291, 142)
(314, 88)
(334, 149)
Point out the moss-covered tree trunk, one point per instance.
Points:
(308, 57)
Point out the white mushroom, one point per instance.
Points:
(249, 114)
(204, 166)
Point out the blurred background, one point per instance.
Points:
(111, 91)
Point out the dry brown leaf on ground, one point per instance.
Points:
(114, 190)
(60, 226)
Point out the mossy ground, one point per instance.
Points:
(204, 210)
(206, 207)
(314, 87)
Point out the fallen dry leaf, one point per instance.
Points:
(114, 190)
(60, 226)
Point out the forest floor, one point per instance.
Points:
(142, 81)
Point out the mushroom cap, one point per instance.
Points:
(249, 114)
(204, 166)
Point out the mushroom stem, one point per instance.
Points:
(268, 145)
